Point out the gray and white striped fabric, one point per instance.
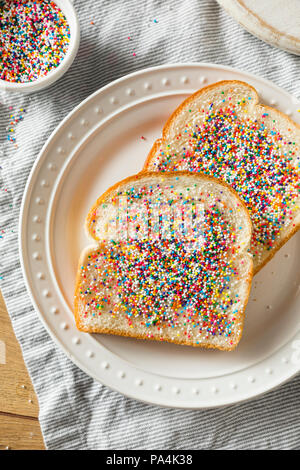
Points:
(75, 411)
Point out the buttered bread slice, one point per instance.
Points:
(224, 132)
(170, 261)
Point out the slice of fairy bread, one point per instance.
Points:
(171, 262)
(223, 131)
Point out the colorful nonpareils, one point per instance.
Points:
(14, 119)
(172, 265)
(251, 155)
(34, 38)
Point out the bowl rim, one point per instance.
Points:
(69, 11)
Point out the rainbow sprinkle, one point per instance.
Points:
(261, 165)
(34, 38)
(14, 119)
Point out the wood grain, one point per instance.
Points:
(16, 391)
(19, 426)
(20, 433)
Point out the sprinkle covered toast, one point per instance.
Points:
(170, 262)
(223, 131)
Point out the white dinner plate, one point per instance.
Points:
(105, 139)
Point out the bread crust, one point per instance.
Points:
(179, 341)
(153, 151)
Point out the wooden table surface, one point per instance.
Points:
(19, 424)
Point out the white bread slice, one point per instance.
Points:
(154, 276)
(223, 131)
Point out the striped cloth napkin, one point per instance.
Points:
(75, 411)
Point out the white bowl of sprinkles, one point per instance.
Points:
(45, 68)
